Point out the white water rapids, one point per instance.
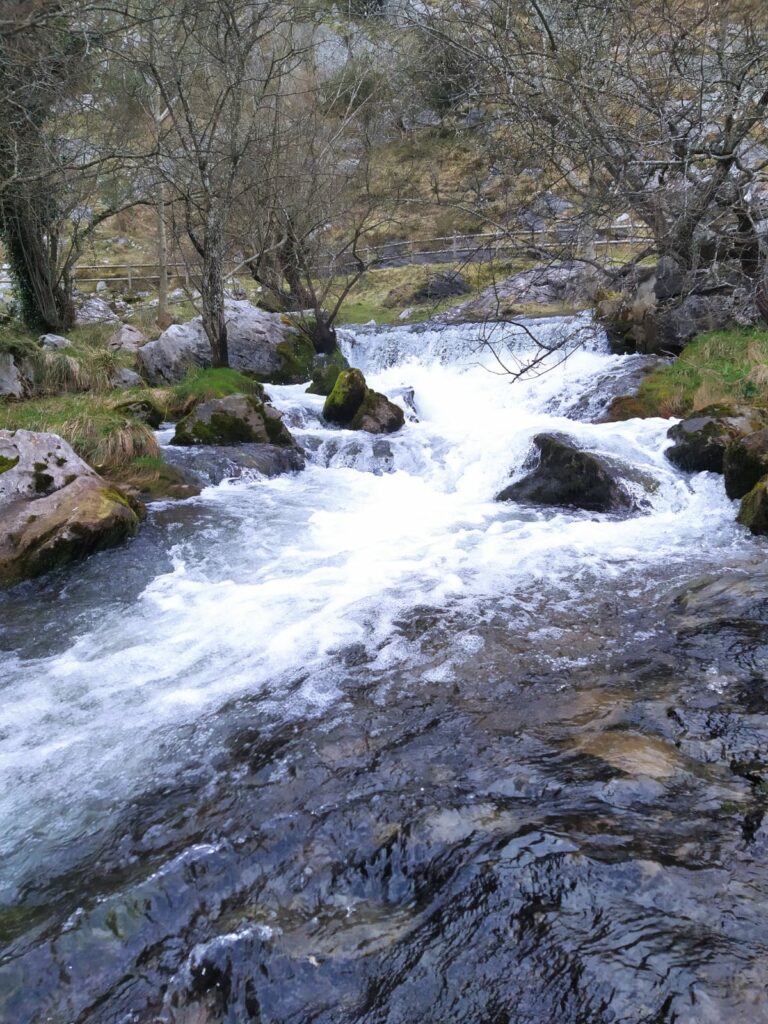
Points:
(116, 666)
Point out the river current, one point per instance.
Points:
(360, 745)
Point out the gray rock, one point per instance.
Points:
(443, 285)
(54, 507)
(214, 463)
(12, 383)
(95, 311)
(54, 341)
(701, 440)
(682, 322)
(572, 283)
(101, 286)
(126, 339)
(252, 335)
(567, 477)
(127, 379)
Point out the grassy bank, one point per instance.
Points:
(728, 367)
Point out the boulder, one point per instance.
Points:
(142, 409)
(753, 512)
(377, 415)
(54, 341)
(570, 283)
(12, 383)
(95, 311)
(701, 440)
(682, 320)
(125, 379)
(211, 464)
(745, 463)
(444, 285)
(568, 477)
(354, 405)
(126, 339)
(55, 509)
(345, 398)
(253, 338)
(236, 419)
(325, 372)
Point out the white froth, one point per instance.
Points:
(288, 571)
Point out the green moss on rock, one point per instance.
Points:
(753, 512)
(326, 372)
(346, 397)
(236, 419)
(297, 355)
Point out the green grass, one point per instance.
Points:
(204, 385)
(105, 437)
(721, 367)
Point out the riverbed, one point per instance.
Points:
(360, 745)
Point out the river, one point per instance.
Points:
(360, 745)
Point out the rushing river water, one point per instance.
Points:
(359, 745)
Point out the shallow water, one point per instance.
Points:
(361, 745)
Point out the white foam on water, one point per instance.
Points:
(287, 571)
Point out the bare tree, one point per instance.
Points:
(313, 205)
(217, 66)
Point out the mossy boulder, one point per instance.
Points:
(565, 476)
(377, 415)
(55, 509)
(297, 360)
(143, 409)
(236, 419)
(325, 372)
(353, 404)
(346, 397)
(754, 508)
(625, 407)
(745, 463)
(701, 440)
(151, 478)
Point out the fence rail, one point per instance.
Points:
(470, 248)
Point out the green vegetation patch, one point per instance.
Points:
(728, 367)
(102, 435)
(204, 385)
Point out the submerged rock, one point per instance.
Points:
(254, 340)
(55, 509)
(701, 440)
(233, 420)
(754, 508)
(568, 477)
(354, 405)
(214, 463)
(745, 463)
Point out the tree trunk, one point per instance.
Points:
(324, 338)
(212, 292)
(162, 258)
(46, 300)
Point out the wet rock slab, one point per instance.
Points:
(211, 464)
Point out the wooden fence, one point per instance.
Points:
(446, 249)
